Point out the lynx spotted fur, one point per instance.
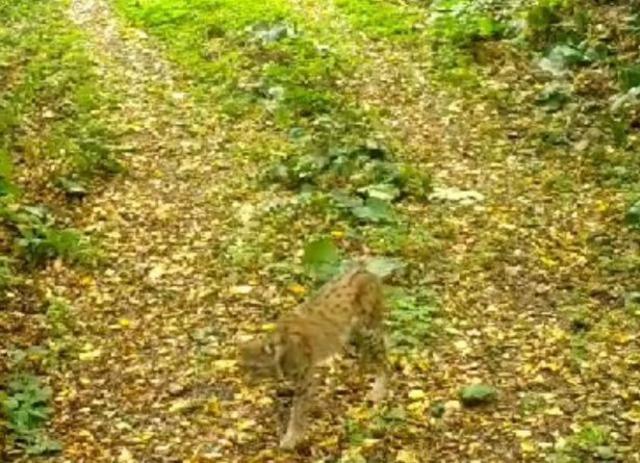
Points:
(349, 308)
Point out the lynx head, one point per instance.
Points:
(257, 357)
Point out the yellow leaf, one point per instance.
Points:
(213, 407)
(369, 442)
(416, 394)
(633, 415)
(241, 289)
(297, 289)
(406, 456)
(125, 456)
(85, 433)
(156, 272)
(246, 424)
(89, 355)
(527, 446)
(548, 262)
(337, 234)
(224, 364)
(268, 327)
(124, 322)
(182, 405)
(554, 411)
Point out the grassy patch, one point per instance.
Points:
(51, 101)
(58, 138)
(54, 129)
(253, 56)
(383, 20)
(36, 237)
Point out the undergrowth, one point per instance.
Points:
(57, 143)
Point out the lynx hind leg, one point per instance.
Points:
(297, 415)
(370, 347)
(296, 364)
(370, 338)
(374, 357)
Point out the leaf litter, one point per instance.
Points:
(154, 378)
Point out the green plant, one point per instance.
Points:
(322, 258)
(632, 303)
(39, 239)
(362, 179)
(59, 316)
(590, 439)
(459, 23)
(387, 419)
(633, 215)
(411, 319)
(25, 407)
(53, 70)
(629, 77)
(7, 278)
(381, 20)
(553, 21)
(6, 168)
(355, 432)
(477, 394)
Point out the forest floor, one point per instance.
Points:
(520, 272)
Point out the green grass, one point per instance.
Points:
(57, 139)
(54, 121)
(51, 100)
(268, 60)
(251, 56)
(383, 20)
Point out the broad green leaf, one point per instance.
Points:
(633, 215)
(478, 394)
(5, 165)
(561, 58)
(345, 200)
(554, 97)
(374, 210)
(322, 257)
(383, 266)
(630, 77)
(382, 191)
(72, 187)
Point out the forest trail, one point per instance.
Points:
(160, 223)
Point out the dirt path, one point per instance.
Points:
(140, 316)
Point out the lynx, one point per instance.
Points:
(348, 309)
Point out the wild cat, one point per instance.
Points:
(348, 309)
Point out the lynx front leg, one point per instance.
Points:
(296, 426)
(381, 365)
(373, 357)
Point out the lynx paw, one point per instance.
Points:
(289, 441)
(378, 392)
